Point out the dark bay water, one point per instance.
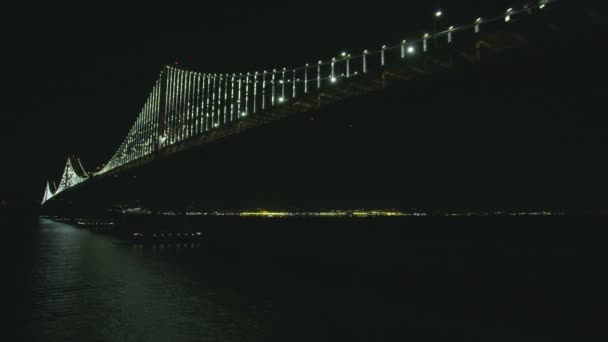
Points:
(500, 279)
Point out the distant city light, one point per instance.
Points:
(438, 14)
(411, 50)
(333, 80)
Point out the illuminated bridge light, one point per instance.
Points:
(508, 16)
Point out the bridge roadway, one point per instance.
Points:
(444, 59)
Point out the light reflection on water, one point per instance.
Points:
(376, 280)
(88, 287)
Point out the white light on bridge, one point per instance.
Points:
(438, 14)
(333, 80)
(508, 16)
(281, 99)
(541, 6)
(411, 50)
(424, 42)
(343, 54)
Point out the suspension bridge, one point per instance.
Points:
(187, 108)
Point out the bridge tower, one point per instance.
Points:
(162, 110)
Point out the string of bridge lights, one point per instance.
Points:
(143, 136)
(407, 46)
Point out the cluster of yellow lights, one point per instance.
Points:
(170, 235)
(336, 213)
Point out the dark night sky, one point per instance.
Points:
(75, 77)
